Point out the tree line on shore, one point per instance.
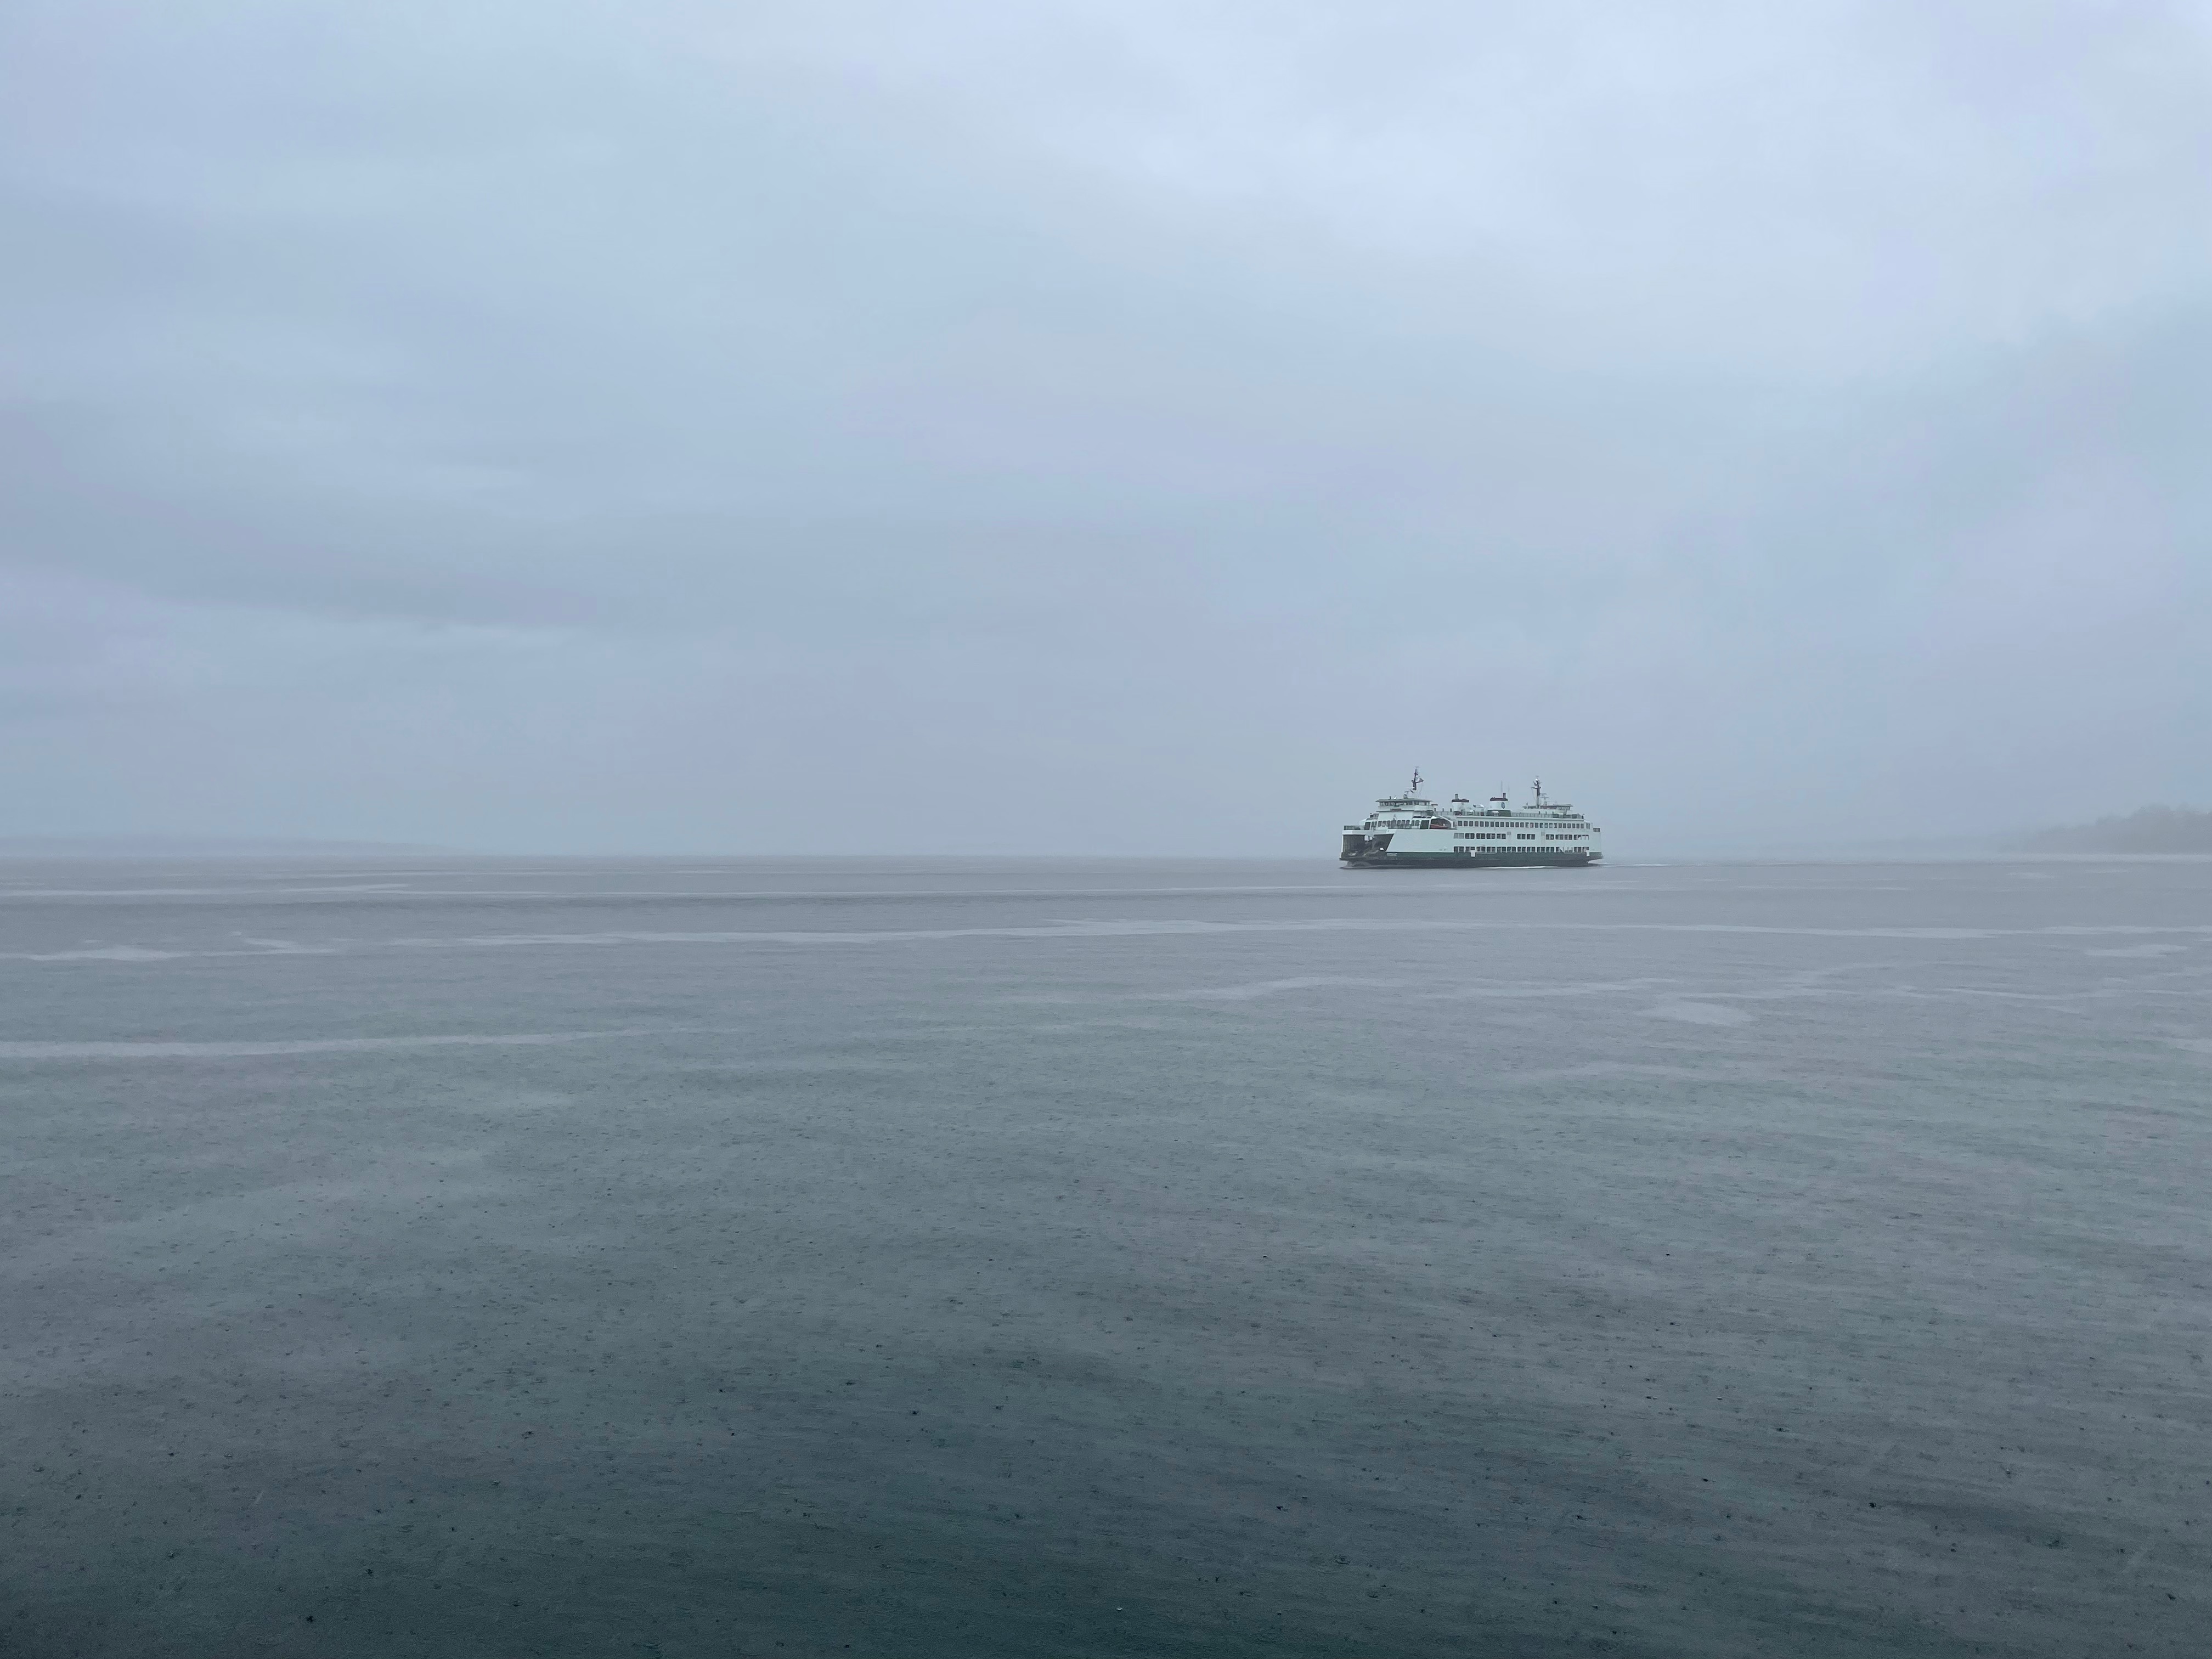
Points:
(2147, 829)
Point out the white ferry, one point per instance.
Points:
(1411, 830)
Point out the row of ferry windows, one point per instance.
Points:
(1480, 834)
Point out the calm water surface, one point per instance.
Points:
(711, 1257)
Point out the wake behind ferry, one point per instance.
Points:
(1411, 831)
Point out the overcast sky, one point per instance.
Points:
(1099, 425)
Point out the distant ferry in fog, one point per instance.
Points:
(1411, 830)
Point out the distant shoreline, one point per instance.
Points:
(2149, 830)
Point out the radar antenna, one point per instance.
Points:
(1415, 788)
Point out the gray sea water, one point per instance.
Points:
(698, 1257)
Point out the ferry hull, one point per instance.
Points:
(1471, 861)
(1373, 851)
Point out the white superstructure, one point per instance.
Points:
(1411, 829)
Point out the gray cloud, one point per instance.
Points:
(589, 425)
